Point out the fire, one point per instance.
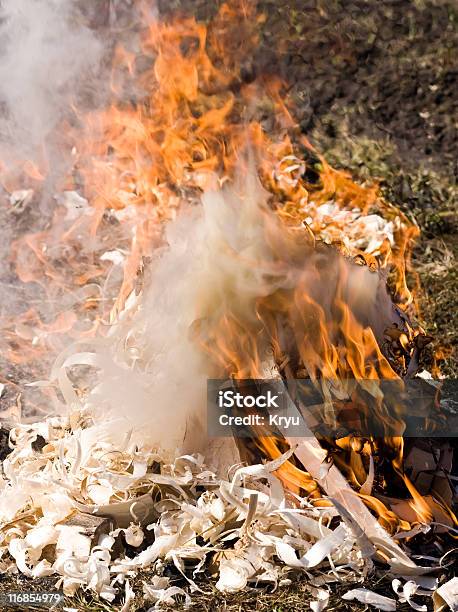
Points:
(195, 115)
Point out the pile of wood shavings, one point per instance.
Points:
(243, 529)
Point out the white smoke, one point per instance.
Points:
(46, 54)
(221, 258)
(152, 370)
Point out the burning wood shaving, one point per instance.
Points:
(243, 530)
(350, 227)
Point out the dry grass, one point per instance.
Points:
(292, 598)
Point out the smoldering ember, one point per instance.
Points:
(174, 232)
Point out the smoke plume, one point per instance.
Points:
(46, 53)
(222, 260)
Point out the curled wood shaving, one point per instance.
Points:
(242, 528)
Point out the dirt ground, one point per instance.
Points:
(379, 82)
(374, 84)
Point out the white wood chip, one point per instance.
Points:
(366, 596)
(447, 595)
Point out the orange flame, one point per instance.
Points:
(137, 161)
